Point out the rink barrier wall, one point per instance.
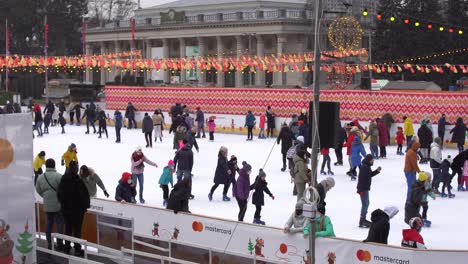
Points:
(268, 242)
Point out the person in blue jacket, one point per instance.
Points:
(357, 153)
(249, 123)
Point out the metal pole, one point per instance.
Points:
(370, 51)
(7, 53)
(45, 55)
(315, 122)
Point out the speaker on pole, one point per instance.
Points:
(329, 123)
(366, 83)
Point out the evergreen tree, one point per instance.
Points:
(250, 247)
(25, 243)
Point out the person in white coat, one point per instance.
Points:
(435, 161)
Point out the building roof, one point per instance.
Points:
(189, 3)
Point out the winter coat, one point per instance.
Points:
(400, 137)
(138, 167)
(62, 121)
(327, 227)
(303, 117)
(78, 108)
(158, 120)
(179, 135)
(260, 186)
(383, 134)
(91, 181)
(49, 108)
(373, 134)
(177, 122)
(412, 239)
(47, 119)
(211, 126)
(388, 120)
(118, 119)
(349, 142)
(188, 122)
(286, 138)
(296, 224)
(242, 186)
(179, 198)
(411, 159)
(61, 107)
(357, 154)
(200, 118)
(147, 124)
(459, 161)
(130, 111)
(380, 227)
(445, 171)
(166, 176)
(73, 195)
(68, 156)
(294, 126)
(101, 117)
(459, 132)
(365, 176)
(414, 202)
(270, 118)
(232, 164)
(441, 126)
(125, 192)
(183, 159)
(38, 163)
(300, 170)
(190, 139)
(89, 114)
(425, 136)
(176, 110)
(262, 122)
(9, 108)
(436, 155)
(342, 135)
(221, 174)
(38, 117)
(250, 120)
(47, 189)
(408, 129)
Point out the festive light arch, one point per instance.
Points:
(345, 33)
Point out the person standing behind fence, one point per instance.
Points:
(130, 112)
(102, 119)
(46, 186)
(118, 119)
(147, 129)
(200, 119)
(249, 123)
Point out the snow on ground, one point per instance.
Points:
(110, 160)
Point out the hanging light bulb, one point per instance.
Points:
(429, 26)
(406, 21)
(417, 24)
(392, 18)
(451, 30)
(379, 15)
(460, 32)
(441, 28)
(365, 12)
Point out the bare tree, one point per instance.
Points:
(103, 11)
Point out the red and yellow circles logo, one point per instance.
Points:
(197, 226)
(6, 153)
(363, 255)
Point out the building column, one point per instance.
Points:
(114, 69)
(183, 72)
(301, 49)
(220, 73)
(103, 69)
(260, 75)
(148, 46)
(279, 77)
(239, 47)
(167, 73)
(201, 53)
(89, 73)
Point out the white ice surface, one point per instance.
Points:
(110, 160)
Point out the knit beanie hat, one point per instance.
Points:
(170, 163)
(72, 146)
(328, 183)
(126, 176)
(391, 211)
(438, 140)
(233, 157)
(42, 154)
(422, 176)
(246, 167)
(261, 173)
(300, 138)
(369, 157)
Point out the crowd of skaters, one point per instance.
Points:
(294, 138)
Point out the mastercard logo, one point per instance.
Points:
(197, 226)
(363, 255)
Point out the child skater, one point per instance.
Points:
(326, 160)
(47, 121)
(400, 139)
(260, 186)
(445, 177)
(427, 192)
(211, 128)
(165, 179)
(62, 122)
(261, 134)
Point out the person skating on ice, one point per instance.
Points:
(435, 161)
(260, 186)
(446, 178)
(62, 122)
(242, 189)
(221, 175)
(147, 129)
(118, 120)
(70, 155)
(138, 161)
(183, 161)
(326, 161)
(364, 187)
(357, 154)
(165, 179)
(102, 121)
(286, 138)
(249, 123)
(211, 127)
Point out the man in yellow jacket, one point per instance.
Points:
(69, 155)
(39, 161)
(408, 130)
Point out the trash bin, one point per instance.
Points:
(451, 88)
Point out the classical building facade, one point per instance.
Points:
(220, 28)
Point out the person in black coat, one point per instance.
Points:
(47, 121)
(147, 127)
(342, 136)
(414, 203)
(61, 106)
(183, 161)
(102, 119)
(364, 186)
(200, 119)
(270, 121)
(90, 115)
(125, 191)
(118, 119)
(191, 139)
(441, 127)
(179, 197)
(78, 108)
(457, 168)
(177, 121)
(234, 168)
(38, 121)
(130, 115)
(425, 139)
(286, 139)
(380, 226)
(304, 132)
(62, 122)
(258, 198)
(50, 108)
(459, 134)
(221, 175)
(74, 200)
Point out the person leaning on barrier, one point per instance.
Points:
(297, 221)
(380, 225)
(91, 179)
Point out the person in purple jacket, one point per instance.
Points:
(242, 189)
(138, 167)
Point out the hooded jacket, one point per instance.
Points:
(68, 156)
(166, 176)
(296, 224)
(72, 194)
(38, 163)
(436, 155)
(411, 160)
(459, 132)
(285, 137)
(183, 159)
(260, 186)
(147, 124)
(250, 120)
(91, 181)
(323, 187)
(365, 176)
(425, 136)
(380, 227)
(408, 129)
(221, 173)
(242, 186)
(327, 227)
(47, 189)
(179, 197)
(118, 119)
(300, 170)
(125, 192)
(357, 152)
(414, 202)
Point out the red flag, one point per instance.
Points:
(46, 35)
(83, 35)
(7, 39)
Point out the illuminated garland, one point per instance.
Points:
(435, 55)
(339, 76)
(345, 33)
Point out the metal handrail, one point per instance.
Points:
(155, 256)
(69, 257)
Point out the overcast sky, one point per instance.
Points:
(149, 3)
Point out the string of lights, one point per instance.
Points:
(435, 55)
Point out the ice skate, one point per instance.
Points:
(363, 223)
(427, 223)
(451, 195)
(330, 172)
(142, 201)
(443, 195)
(353, 178)
(226, 199)
(322, 172)
(210, 197)
(283, 169)
(165, 203)
(460, 188)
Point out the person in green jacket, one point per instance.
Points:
(165, 179)
(46, 186)
(323, 224)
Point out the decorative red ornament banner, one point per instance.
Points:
(355, 104)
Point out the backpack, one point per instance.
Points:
(465, 169)
(291, 152)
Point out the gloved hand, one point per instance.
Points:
(106, 194)
(360, 193)
(273, 197)
(63, 163)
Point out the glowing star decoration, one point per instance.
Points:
(345, 33)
